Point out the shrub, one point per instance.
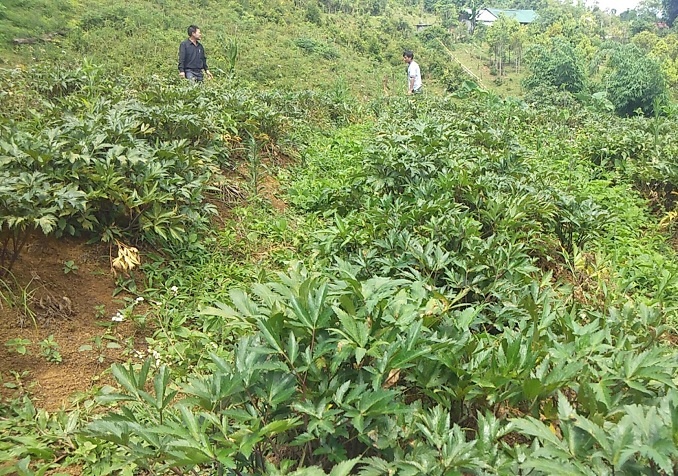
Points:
(432, 34)
(309, 45)
(453, 77)
(558, 65)
(635, 81)
(313, 14)
(93, 161)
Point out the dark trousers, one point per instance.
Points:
(194, 74)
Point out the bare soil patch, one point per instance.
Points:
(51, 298)
(75, 307)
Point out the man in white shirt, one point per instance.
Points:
(413, 73)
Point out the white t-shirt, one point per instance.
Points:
(413, 71)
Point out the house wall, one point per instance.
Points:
(484, 16)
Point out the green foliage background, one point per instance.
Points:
(460, 283)
(141, 38)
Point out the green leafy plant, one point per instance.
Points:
(18, 345)
(99, 346)
(640, 442)
(29, 202)
(99, 311)
(49, 349)
(483, 288)
(70, 267)
(231, 53)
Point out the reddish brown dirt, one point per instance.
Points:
(269, 187)
(39, 280)
(72, 322)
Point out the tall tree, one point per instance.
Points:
(472, 6)
(670, 10)
(654, 6)
(499, 37)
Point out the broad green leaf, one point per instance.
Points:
(359, 354)
(269, 335)
(345, 467)
(279, 426)
(534, 427)
(532, 388)
(292, 348)
(125, 377)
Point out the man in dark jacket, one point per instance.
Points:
(192, 60)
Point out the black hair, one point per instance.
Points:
(192, 29)
(408, 54)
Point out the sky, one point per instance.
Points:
(619, 5)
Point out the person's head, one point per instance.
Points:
(194, 32)
(408, 56)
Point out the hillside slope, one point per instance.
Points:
(284, 44)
